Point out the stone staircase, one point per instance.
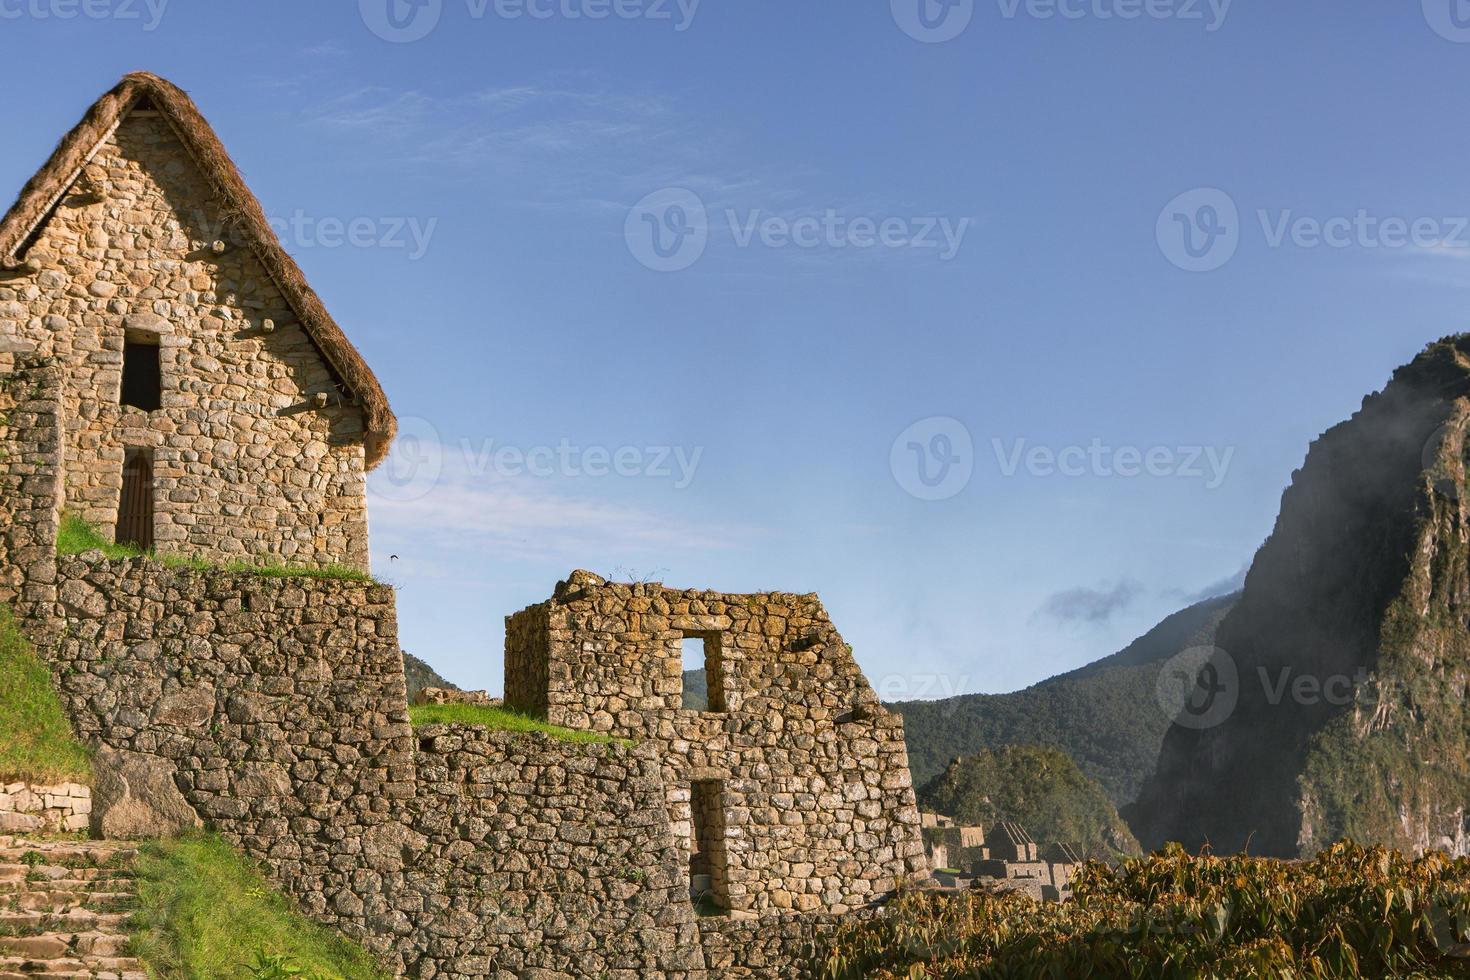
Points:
(64, 908)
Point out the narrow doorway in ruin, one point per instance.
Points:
(709, 883)
(135, 510)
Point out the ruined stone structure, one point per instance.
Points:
(210, 405)
(1005, 858)
(792, 791)
(274, 710)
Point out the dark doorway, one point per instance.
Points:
(709, 885)
(142, 380)
(135, 511)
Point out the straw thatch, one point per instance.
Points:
(41, 194)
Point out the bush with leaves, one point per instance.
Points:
(1351, 912)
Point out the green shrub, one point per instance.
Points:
(500, 720)
(36, 741)
(205, 913)
(77, 536)
(1351, 912)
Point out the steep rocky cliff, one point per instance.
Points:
(1349, 647)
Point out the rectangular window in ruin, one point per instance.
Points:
(702, 652)
(135, 510)
(709, 883)
(142, 380)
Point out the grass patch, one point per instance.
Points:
(205, 912)
(501, 720)
(36, 741)
(77, 536)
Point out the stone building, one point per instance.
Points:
(212, 407)
(1005, 858)
(789, 784)
(179, 385)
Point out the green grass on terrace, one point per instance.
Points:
(77, 536)
(204, 911)
(500, 720)
(36, 741)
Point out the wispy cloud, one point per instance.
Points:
(528, 518)
(1088, 606)
(572, 143)
(1225, 586)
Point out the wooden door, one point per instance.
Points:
(135, 514)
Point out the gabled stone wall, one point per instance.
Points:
(812, 773)
(244, 465)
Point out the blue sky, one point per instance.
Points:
(917, 309)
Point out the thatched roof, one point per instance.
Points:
(38, 200)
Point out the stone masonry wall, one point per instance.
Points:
(243, 465)
(811, 771)
(30, 473)
(771, 948)
(278, 709)
(555, 857)
(31, 808)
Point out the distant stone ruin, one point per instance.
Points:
(1006, 858)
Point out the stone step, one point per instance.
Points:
(64, 909)
(60, 900)
(56, 945)
(56, 872)
(120, 967)
(72, 920)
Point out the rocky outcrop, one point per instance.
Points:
(1334, 704)
(136, 797)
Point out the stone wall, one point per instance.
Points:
(244, 466)
(557, 857)
(783, 947)
(812, 773)
(32, 808)
(30, 473)
(275, 709)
